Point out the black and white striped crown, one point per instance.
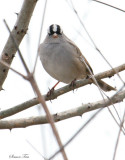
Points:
(54, 28)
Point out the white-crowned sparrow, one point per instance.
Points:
(63, 60)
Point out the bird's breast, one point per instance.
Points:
(60, 62)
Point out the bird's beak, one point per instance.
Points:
(55, 35)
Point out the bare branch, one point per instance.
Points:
(16, 45)
(58, 92)
(109, 5)
(41, 100)
(77, 132)
(50, 118)
(17, 72)
(118, 137)
(41, 29)
(25, 122)
(86, 123)
(94, 44)
(18, 33)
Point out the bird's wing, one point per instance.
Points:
(80, 55)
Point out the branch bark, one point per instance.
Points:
(58, 92)
(18, 32)
(78, 111)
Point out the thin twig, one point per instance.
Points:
(83, 126)
(41, 29)
(118, 116)
(116, 113)
(101, 92)
(35, 149)
(80, 129)
(95, 46)
(17, 72)
(97, 50)
(41, 100)
(118, 137)
(123, 130)
(109, 5)
(49, 116)
(93, 78)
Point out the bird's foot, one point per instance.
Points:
(73, 84)
(50, 92)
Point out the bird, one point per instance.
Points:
(63, 60)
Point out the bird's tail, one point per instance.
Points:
(104, 86)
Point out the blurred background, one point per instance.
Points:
(106, 26)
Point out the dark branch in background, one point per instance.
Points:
(109, 5)
(18, 33)
(58, 92)
(78, 111)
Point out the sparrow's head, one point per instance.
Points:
(54, 30)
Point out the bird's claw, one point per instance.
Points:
(73, 84)
(50, 92)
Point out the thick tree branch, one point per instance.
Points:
(58, 92)
(18, 33)
(25, 122)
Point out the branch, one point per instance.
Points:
(109, 5)
(58, 92)
(30, 78)
(25, 122)
(18, 33)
